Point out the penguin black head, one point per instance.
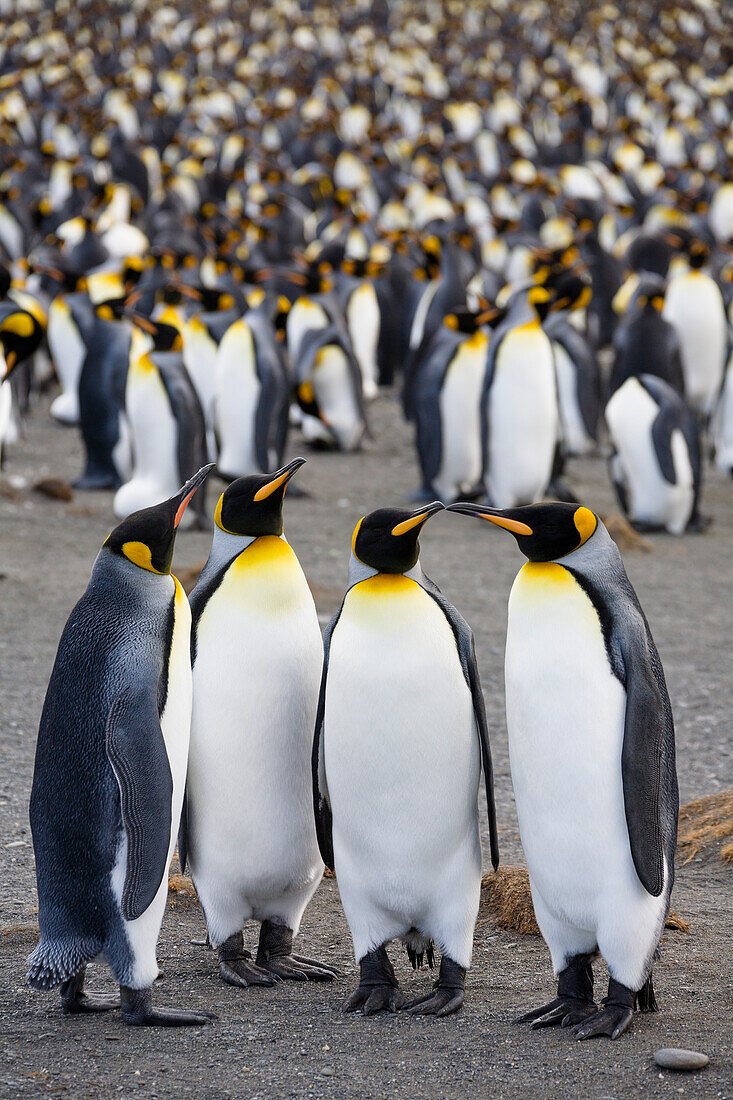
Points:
(146, 538)
(388, 540)
(20, 335)
(544, 532)
(253, 506)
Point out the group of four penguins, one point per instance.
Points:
(158, 711)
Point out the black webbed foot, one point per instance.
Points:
(274, 956)
(377, 990)
(615, 1015)
(574, 1002)
(137, 1010)
(75, 1001)
(448, 992)
(235, 967)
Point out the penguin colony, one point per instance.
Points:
(223, 225)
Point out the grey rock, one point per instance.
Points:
(677, 1058)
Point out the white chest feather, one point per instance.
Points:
(363, 319)
(67, 352)
(153, 439)
(523, 418)
(304, 316)
(694, 305)
(575, 438)
(334, 388)
(460, 404)
(237, 397)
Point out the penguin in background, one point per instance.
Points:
(70, 315)
(447, 402)
(722, 424)
(656, 463)
(576, 368)
(694, 305)
(247, 829)
(644, 342)
(20, 336)
(252, 393)
(165, 421)
(202, 334)
(110, 771)
(101, 389)
(519, 406)
(400, 742)
(592, 754)
(359, 304)
(329, 389)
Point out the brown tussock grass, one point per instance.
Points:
(624, 535)
(705, 821)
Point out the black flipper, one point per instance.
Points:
(321, 805)
(137, 753)
(673, 415)
(491, 357)
(183, 835)
(467, 654)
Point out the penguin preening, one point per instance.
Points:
(656, 465)
(247, 829)
(401, 739)
(110, 771)
(591, 747)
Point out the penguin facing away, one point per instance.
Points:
(401, 739)
(656, 465)
(591, 747)
(110, 771)
(247, 829)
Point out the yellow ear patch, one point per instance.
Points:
(354, 537)
(217, 516)
(139, 554)
(586, 523)
(20, 324)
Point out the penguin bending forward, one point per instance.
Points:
(247, 828)
(401, 738)
(591, 748)
(110, 771)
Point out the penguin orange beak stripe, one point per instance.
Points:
(417, 520)
(190, 488)
(182, 507)
(514, 525)
(282, 478)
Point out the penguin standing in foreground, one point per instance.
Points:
(401, 738)
(247, 829)
(591, 747)
(656, 465)
(110, 771)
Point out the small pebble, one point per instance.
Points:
(327, 1071)
(676, 1058)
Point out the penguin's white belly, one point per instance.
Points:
(575, 438)
(402, 767)
(154, 441)
(251, 830)
(67, 353)
(565, 719)
(630, 415)
(460, 420)
(421, 313)
(237, 396)
(6, 410)
(694, 305)
(363, 319)
(333, 386)
(304, 316)
(523, 419)
(199, 358)
(175, 724)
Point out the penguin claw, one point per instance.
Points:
(293, 968)
(170, 1017)
(243, 973)
(319, 965)
(611, 1020)
(90, 1002)
(441, 1002)
(370, 999)
(563, 1011)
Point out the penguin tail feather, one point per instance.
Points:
(52, 963)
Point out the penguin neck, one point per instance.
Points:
(124, 576)
(598, 558)
(358, 571)
(521, 312)
(224, 548)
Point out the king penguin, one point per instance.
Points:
(591, 749)
(401, 739)
(110, 771)
(247, 829)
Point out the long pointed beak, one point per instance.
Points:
(418, 518)
(494, 515)
(280, 477)
(183, 496)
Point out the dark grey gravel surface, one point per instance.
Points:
(292, 1041)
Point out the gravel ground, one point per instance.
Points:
(293, 1041)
